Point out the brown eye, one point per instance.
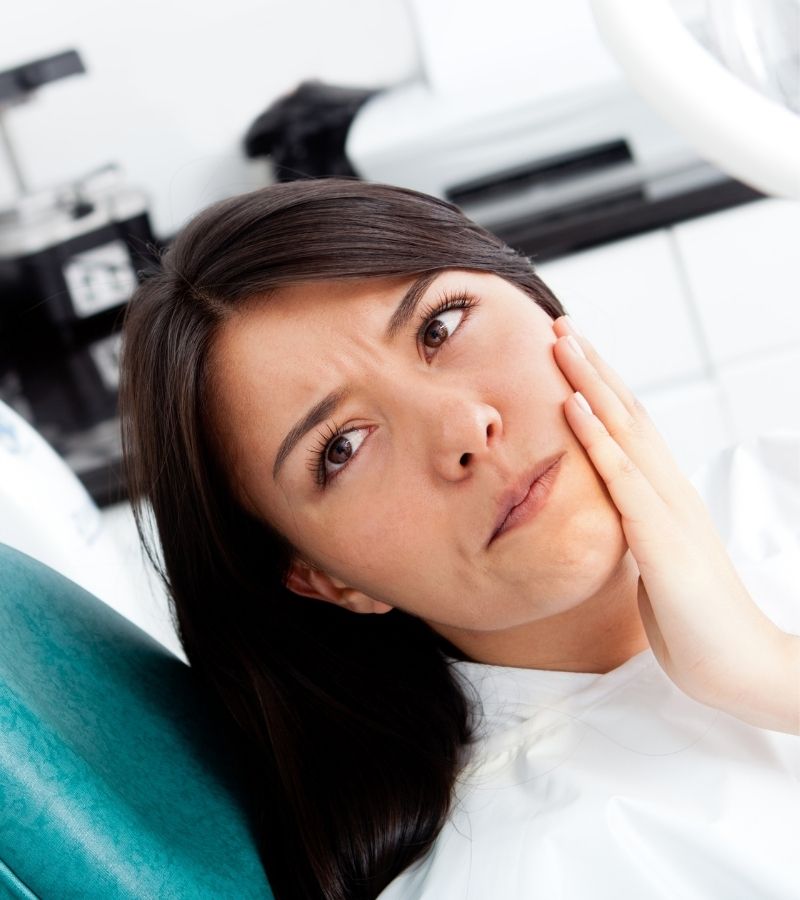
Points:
(441, 326)
(340, 451)
(437, 331)
(335, 452)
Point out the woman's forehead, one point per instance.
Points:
(305, 322)
(292, 320)
(304, 297)
(287, 338)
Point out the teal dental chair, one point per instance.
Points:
(114, 782)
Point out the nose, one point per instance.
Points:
(459, 430)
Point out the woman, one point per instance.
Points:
(336, 398)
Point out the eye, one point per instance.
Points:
(337, 448)
(436, 324)
(442, 327)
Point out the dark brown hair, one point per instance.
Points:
(351, 728)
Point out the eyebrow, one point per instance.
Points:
(329, 404)
(408, 305)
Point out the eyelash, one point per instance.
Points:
(460, 300)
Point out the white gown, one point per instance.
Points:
(617, 786)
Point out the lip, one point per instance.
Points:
(520, 502)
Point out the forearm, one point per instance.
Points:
(768, 685)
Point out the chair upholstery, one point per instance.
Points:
(114, 781)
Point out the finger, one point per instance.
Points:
(564, 326)
(646, 518)
(631, 427)
(633, 430)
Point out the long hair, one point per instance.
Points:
(351, 728)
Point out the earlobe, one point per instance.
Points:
(304, 580)
(355, 601)
(309, 582)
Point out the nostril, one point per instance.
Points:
(465, 458)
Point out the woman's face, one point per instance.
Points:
(439, 426)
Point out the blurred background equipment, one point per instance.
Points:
(523, 120)
(68, 265)
(304, 132)
(748, 75)
(47, 513)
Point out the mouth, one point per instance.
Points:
(519, 504)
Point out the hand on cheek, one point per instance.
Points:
(703, 627)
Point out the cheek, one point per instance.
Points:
(589, 540)
(369, 539)
(526, 361)
(534, 354)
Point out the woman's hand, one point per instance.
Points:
(703, 627)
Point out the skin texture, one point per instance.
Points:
(438, 431)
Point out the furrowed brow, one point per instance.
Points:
(329, 404)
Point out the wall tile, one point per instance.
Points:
(692, 419)
(627, 297)
(764, 393)
(741, 267)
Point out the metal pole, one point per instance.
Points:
(13, 162)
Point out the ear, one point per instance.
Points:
(307, 581)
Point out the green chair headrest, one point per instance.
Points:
(114, 782)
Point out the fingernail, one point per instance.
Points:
(576, 347)
(571, 326)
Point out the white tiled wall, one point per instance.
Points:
(630, 301)
(763, 391)
(701, 320)
(742, 269)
